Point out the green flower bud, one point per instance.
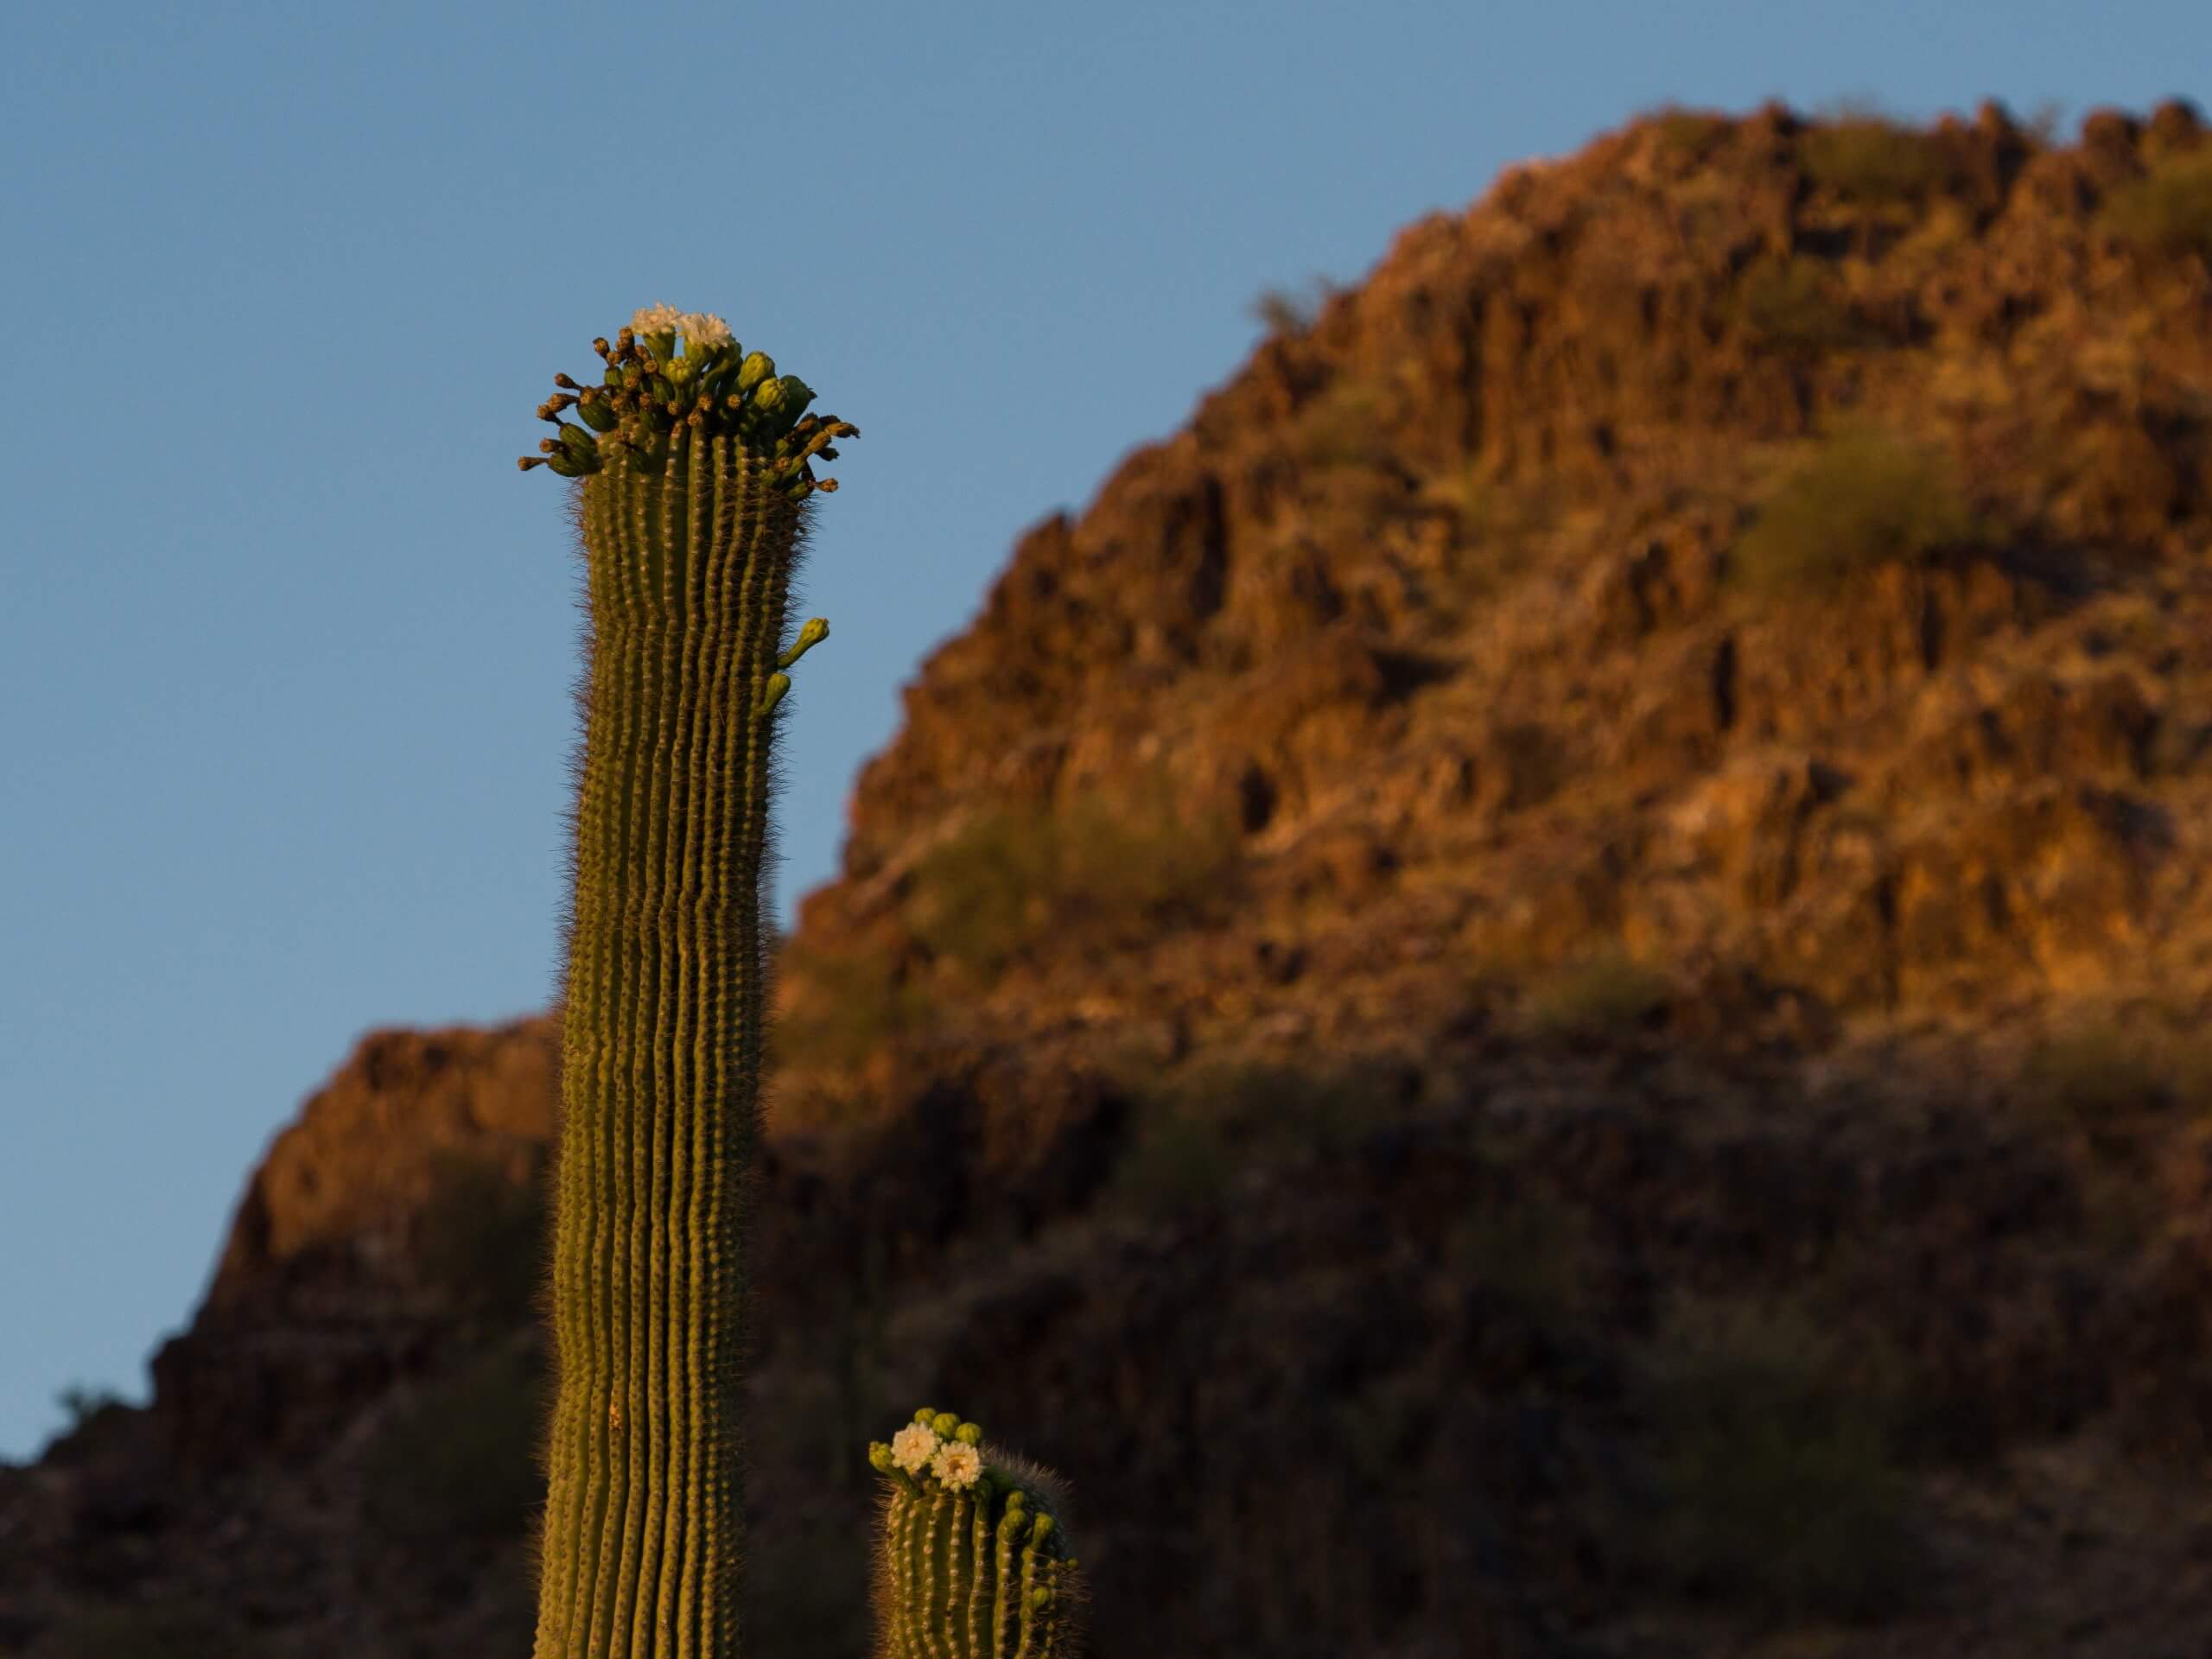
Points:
(581, 442)
(758, 366)
(927, 1414)
(879, 1456)
(816, 629)
(797, 394)
(597, 412)
(564, 464)
(967, 1434)
(777, 684)
(944, 1422)
(777, 404)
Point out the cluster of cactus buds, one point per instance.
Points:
(654, 400)
(972, 1559)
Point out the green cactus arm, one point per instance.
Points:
(692, 514)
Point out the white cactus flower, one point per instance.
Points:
(957, 1464)
(702, 331)
(661, 319)
(913, 1446)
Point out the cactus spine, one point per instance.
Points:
(971, 1549)
(694, 472)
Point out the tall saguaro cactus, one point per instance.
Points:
(695, 471)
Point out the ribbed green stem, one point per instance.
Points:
(1010, 1527)
(981, 1545)
(932, 1580)
(690, 571)
(1001, 1589)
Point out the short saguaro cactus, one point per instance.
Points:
(972, 1554)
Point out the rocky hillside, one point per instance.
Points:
(1543, 991)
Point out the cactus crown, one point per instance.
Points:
(972, 1558)
(652, 400)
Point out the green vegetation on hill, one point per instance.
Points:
(163, 1629)
(2168, 211)
(1791, 304)
(1775, 1488)
(1193, 1134)
(1015, 877)
(482, 1238)
(458, 1468)
(1871, 162)
(1857, 498)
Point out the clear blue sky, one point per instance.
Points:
(286, 640)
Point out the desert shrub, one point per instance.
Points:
(1859, 497)
(83, 1404)
(855, 1005)
(1688, 132)
(1531, 1250)
(1341, 426)
(1275, 1107)
(1791, 305)
(2102, 1082)
(1014, 877)
(2168, 211)
(2116, 1093)
(1175, 1162)
(1871, 162)
(1497, 523)
(1192, 1135)
(1601, 994)
(458, 1467)
(985, 895)
(482, 1236)
(160, 1629)
(1281, 312)
(1778, 1488)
